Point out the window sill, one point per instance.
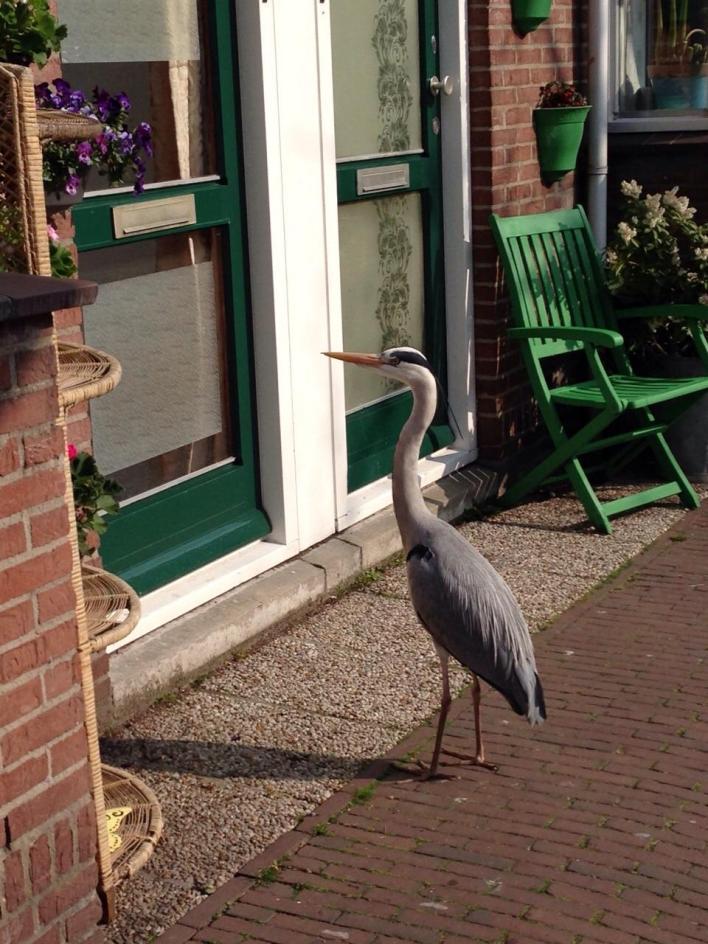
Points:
(674, 123)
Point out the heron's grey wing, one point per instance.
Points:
(469, 610)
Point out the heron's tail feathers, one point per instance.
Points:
(537, 708)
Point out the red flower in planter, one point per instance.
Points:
(71, 451)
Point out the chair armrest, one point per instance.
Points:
(688, 312)
(600, 337)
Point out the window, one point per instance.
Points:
(661, 63)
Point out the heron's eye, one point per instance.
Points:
(394, 361)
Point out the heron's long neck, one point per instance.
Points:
(408, 503)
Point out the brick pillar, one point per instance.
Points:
(48, 871)
(506, 71)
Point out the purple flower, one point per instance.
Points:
(102, 102)
(125, 142)
(143, 137)
(123, 101)
(72, 184)
(42, 95)
(63, 92)
(77, 100)
(83, 151)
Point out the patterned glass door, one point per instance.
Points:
(387, 129)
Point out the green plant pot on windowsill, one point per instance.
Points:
(529, 14)
(559, 132)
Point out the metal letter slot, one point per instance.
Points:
(153, 215)
(390, 177)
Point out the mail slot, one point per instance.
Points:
(390, 177)
(153, 215)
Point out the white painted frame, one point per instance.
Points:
(354, 506)
(287, 107)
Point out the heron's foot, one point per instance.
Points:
(422, 773)
(474, 760)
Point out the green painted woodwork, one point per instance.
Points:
(560, 303)
(166, 535)
(372, 431)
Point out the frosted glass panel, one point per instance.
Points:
(158, 310)
(376, 77)
(157, 53)
(383, 298)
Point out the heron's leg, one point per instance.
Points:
(478, 757)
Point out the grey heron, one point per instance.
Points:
(460, 599)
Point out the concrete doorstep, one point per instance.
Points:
(193, 645)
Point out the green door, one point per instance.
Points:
(179, 431)
(387, 131)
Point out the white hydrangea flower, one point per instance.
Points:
(680, 204)
(655, 211)
(611, 257)
(692, 277)
(701, 254)
(630, 188)
(703, 300)
(626, 231)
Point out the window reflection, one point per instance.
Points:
(157, 53)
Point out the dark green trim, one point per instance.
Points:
(162, 537)
(371, 438)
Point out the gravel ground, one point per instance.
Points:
(238, 758)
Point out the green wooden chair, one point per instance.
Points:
(560, 303)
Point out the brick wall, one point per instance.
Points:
(48, 872)
(506, 71)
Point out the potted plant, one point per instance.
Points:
(94, 498)
(559, 119)
(529, 14)
(658, 255)
(698, 69)
(117, 152)
(29, 34)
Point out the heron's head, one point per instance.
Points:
(404, 364)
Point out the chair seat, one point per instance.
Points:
(634, 392)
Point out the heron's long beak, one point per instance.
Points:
(363, 360)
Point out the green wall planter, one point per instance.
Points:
(559, 132)
(529, 14)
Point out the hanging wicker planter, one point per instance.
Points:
(134, 821)
(559, 132)
(529, 14)
(84, 373)
(112, 607)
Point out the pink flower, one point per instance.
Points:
(71, 451)
(52, 233)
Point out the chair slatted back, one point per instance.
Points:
(553, 274)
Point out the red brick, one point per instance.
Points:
(18, 928)
(40, 869)
(57, 601)
(25, 777)
(67, 752)
(42, 729)
(9, 457)
(31, 490)
(19, 701)
(49, 526)
(13, 540)
(61, 898)
(48, 803)
(41, 569)
(35, 365)
(5, 372)
(52, 936)
(15, 882)
(45, 446)
(16, 621)
(63, 848)
(86, 827)
(59, 678)
(23, 658)
(30, 409)
(61, 640)
(83, 920)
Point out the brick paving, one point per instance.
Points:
(593, 831)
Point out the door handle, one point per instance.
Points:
(445, 85)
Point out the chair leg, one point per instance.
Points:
(673, 471)
(565, 451)
(589, 500)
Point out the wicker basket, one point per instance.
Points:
(84, 373)
(112, 607)
(57, 125)
(134, 821)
